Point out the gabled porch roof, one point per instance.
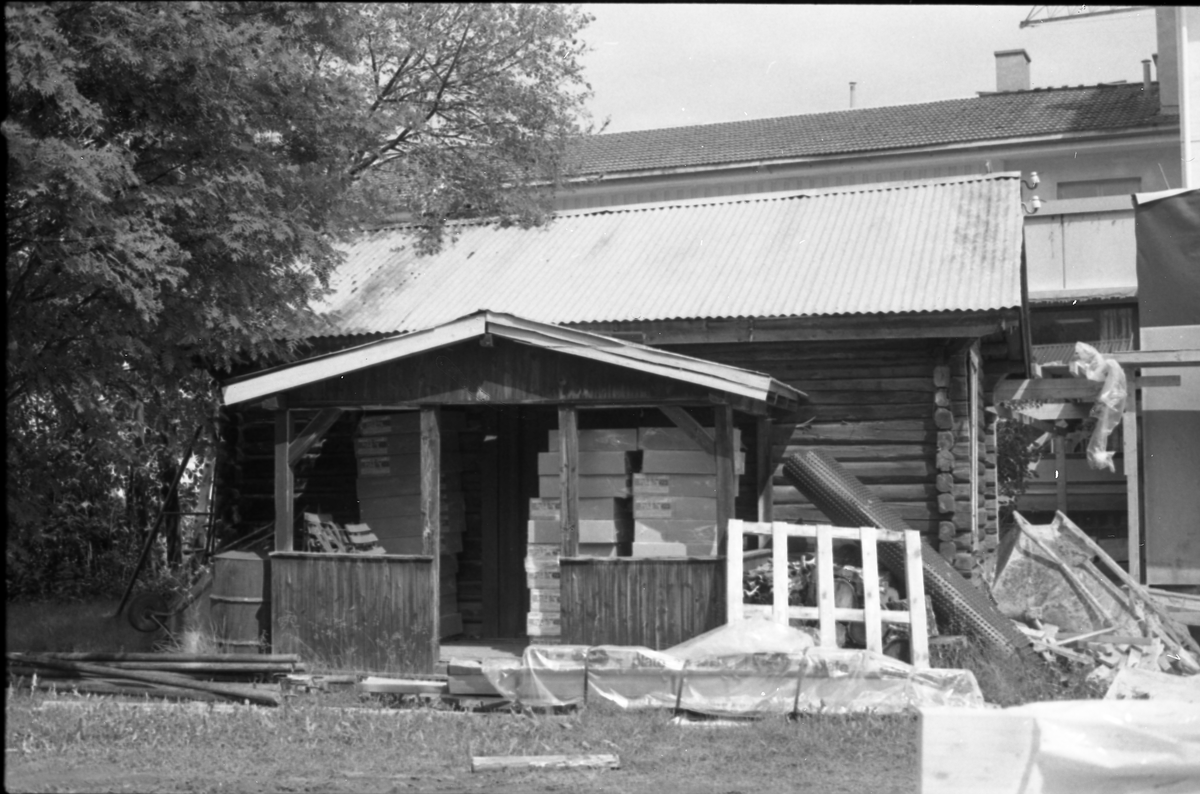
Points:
(742, 385)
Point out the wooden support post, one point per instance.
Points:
(1133, 504)
(726, 472)
(780, 581)
(734, 610)
(1060, 466)
(431, 509)
(914, 575)
(285, 484)
(870, 582)
(568, 448)
(765, 471)
(826, 588)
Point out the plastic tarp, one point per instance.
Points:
(1097, 746)
(752, 667)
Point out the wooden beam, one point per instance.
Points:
(285, 484)
(688, 424)
(431, 512)
(1060, 472)
(483, 763)
(568, 448)
(1129, 434)
(1044, 389)
(735, 611)
(489, 463)
(826, 588)
(726, 473)
(765, 472)
(1156, 358)
(317, 427)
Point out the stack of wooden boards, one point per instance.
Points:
(326, 536)
(387, 448)
(174, 676)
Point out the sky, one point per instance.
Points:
(674, 65)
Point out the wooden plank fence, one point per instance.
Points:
(826, 613)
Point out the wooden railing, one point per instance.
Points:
(827, 613)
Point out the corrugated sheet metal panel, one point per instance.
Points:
(934, 245)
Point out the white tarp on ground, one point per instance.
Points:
(1096, 746)
(752, 667)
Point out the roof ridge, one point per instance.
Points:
(741, 198)
(982, 95)
(785, 195)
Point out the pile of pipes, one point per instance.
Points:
(1075, 602)
(236, 677)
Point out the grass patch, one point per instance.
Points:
(47, 626)
(307, 746)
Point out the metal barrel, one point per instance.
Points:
(241, 602)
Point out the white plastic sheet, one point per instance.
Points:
(1093, 746)
(752, 667)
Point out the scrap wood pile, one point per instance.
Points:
(1075, 602)
(237, 677)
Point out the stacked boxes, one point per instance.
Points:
(675, 495)
(605, 517)
(388, 453)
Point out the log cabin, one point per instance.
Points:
(860, 319)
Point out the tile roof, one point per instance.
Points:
(949, 244)
(992, 116)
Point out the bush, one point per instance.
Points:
(1017, 679)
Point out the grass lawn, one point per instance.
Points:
(96, 745)
(337, 743)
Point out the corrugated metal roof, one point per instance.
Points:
(1016, 114)
(930, 245)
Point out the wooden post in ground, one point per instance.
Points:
(431, 510)
(285, 485)
(764, 472)
(568, 448)
(726, 474)
(1133, 504)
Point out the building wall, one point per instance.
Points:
(900, 416)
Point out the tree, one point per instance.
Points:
(180, 175)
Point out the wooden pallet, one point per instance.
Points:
(827, 613)
(326, 536)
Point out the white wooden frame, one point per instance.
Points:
(826, 613)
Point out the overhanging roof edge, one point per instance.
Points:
(719, 377)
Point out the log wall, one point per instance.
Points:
(897, 415)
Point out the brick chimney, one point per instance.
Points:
(1012, 70)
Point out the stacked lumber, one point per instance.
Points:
(675, 494)
(177, 676)
(387, 449)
